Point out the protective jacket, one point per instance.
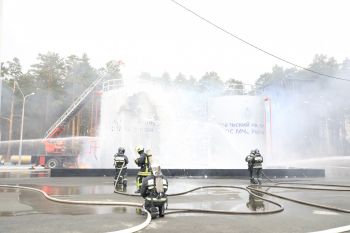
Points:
(143, 163)
(257, 161)
(153, 189)
(119, 160)
(249, 159)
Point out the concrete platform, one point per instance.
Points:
(27, 211)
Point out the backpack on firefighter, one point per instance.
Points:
(153, 189)
(144, 162)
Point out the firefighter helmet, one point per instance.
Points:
(139, 149)
(121, 150)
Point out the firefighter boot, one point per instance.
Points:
(154, 212)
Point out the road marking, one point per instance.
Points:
(323, 212)
(335, 230)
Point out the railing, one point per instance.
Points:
(112, 84)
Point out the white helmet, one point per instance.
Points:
(139, 149)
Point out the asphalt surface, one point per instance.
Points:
(28, 211)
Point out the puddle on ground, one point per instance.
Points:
(40, 205)
(24, 173)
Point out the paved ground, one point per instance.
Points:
(27, 211)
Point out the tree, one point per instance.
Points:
(80, 74)
(3, 69)
(323, 64)
(211, 82)
(12, 73)
(234, 86)
(180, 81)
(113, 69)
(345, 68)
(266, 78)
(49, 74)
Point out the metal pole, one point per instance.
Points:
(0, 100)
(21, 137)
(1, 60)
(20, 140)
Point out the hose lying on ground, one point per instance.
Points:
(131, 204)
(278, 185)
(193, 210)
(251, 189)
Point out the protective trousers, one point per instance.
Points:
(123, 173)
(155, 208)
(258, 174)
(139, 178)
(250, 169)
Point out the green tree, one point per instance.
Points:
(12, 73)
(80, 74)
(49, 74)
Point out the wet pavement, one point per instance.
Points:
(28, 211)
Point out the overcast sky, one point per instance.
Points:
(157, 36)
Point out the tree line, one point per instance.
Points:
(57, 81)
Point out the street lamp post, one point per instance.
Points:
(21, 137)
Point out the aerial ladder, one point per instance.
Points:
(55, 150)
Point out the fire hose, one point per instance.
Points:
(251, 189)
(120, 171)
(112, 203)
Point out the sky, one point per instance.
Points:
(158, 36)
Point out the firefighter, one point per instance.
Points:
(121, 170)
(257, 166)
(153, 190)
(144, 164)
(249, 160)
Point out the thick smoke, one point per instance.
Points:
(310, 119)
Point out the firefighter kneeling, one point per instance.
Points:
(153, 189)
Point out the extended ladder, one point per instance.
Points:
(58, 126)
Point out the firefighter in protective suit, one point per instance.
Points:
(153, 189)
(257, 167)
(249, 159)
(121, 170)
(144, 164)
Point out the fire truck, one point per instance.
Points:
(59, 153)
